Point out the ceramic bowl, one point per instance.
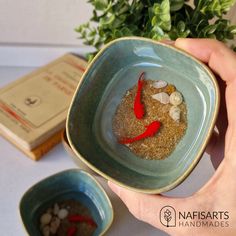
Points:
(112, 72)
(69, 184)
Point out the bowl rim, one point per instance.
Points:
(59, 173)
(200, 152)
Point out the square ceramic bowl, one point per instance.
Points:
(69, 184)
(112, 72)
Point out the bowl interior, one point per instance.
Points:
(116, 69)
(71, 184)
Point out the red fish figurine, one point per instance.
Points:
(150, 131)
(138, 105)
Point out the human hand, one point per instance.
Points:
(219, 194)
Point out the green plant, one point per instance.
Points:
(157, 19)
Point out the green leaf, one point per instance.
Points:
(100, 4)
(210, 29)
(226, 5)
(232, 29)
(158, 30)
(90, 56)
(176, 5)
(107, 21)
(160, 14)
(117, 33)
(126, 32)
(117, 22)
(121, 9)
(181, 26)
(211, 36)
(215, 7)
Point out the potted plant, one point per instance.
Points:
(157, 19)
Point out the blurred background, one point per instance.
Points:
(42, 22)
(47, 22)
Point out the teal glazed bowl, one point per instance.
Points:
(69, 184)
(112, 72)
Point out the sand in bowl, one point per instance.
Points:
(67, 218)
(158, 98)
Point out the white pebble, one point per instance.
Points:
(62, 214)
(56, 209)
(159, 84)
(162, 97)
(45, 218)
(144, 145)
(46, 230)
(175, 113)
(176, 98)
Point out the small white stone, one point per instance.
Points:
(159, 84)
(46, 230)
(45, 218)
(162, 97)
(176, 98)
(62, 214)
(175, 113)
(56, 209)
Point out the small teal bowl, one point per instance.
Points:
(116, 69)
(69, 184)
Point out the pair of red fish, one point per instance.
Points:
(79, 218)
(139, 112)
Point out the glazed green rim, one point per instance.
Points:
(89, 175)
(201, 150)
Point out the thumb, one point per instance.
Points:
(147, 207)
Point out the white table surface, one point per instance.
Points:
(18, 173)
